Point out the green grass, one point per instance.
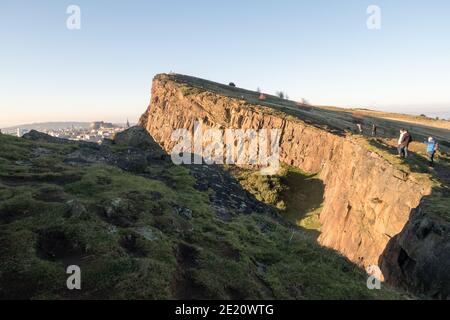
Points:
(297, 195)
(13, 149)
(157, 254)
(102, 181)
(267, 189)
(438, 203)
(304, 198)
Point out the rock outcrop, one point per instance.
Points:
(34, 135)
(136, 137)
(419, 256)
(367, 200)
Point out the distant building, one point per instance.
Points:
(105, 130)
(100, 124)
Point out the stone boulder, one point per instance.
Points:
(419, 257)
(136, 137)
(34, 135)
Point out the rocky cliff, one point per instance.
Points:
(367, 200)
(418, 257)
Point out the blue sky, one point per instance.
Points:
(320, 50)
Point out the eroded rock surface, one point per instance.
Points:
(419, 257)
(367, 202)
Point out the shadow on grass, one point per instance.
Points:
(304, 199)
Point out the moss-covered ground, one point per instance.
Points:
(151, 236)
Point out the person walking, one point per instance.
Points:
(360, 129)
(403, 143)
(374, 130)
(432, 148)
(400, 148)
(407, 140)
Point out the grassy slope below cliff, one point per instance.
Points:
(297, 195)
(148, 233)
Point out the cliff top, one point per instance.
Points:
(338, 120)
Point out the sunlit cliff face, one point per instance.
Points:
(367, 200)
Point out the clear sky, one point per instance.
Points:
(321, 50)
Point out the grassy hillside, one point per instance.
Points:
(142, 228)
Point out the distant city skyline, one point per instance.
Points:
(320, 50)
(65, 124)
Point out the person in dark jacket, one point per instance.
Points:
(403, 143)
(408, 139)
